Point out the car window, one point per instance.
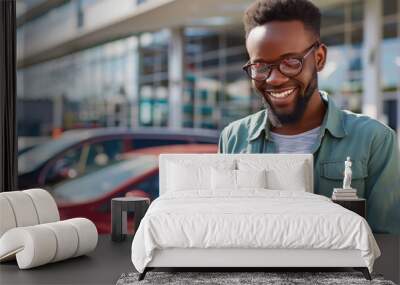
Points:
(142, 143)
(103, 153)
(64, 167)
(33, 158)
(96, 184)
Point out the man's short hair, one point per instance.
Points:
(264, 11)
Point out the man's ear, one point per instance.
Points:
(321, 55)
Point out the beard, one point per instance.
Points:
(277, 120)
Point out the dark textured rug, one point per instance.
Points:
(232, 278)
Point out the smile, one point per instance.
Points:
(281, 95)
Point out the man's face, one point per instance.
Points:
(285, 97)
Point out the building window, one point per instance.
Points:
(153, 79)
(217, 91)
(342, 32)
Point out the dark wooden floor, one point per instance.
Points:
(110, 259)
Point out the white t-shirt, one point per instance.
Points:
(301, 143)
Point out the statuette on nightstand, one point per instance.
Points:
(347, 192)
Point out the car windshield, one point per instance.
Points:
(96, 184)
(31, 159)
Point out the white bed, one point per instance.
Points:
(194, 223)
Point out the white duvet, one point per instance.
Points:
(253, 218)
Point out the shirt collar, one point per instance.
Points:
(333, 121)
(260, 125)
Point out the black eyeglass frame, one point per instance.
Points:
(271, 66)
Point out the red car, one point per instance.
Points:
(78, 152)
(90, 195)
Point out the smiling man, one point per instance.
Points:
(286, 54)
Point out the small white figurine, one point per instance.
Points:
(347, 174)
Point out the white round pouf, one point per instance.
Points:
(67, 239)
(87, 234)
(45, 205)
(23, 208)
(7, 218)
(32, 233)
(33, 246)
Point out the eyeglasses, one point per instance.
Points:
(289, 66)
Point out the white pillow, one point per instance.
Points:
(223, 179)
(184, 175)
(251, 179)
(292, 180)
(281, 174)
(182, 178)
(237, 179)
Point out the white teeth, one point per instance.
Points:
(281, 94)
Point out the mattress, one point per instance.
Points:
(250, 219)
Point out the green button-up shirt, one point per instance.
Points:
(372, 146)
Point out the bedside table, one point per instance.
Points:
(357, 205)
(119, 209)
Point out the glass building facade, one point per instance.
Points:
(125, 81)
(216, 89)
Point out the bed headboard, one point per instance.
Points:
(269, 160)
